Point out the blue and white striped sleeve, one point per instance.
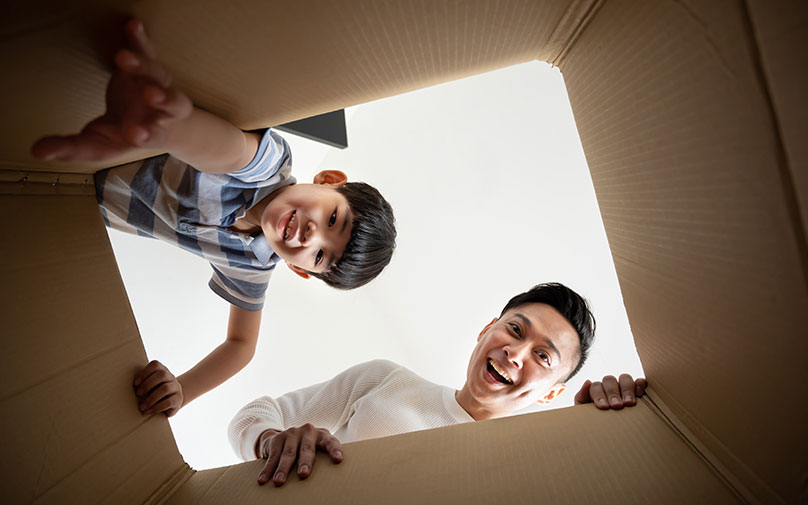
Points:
(243, 287)
(272, 156)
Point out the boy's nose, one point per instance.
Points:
(308, 232)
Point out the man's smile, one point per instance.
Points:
(497, 374)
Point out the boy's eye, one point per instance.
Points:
(333, 219)
(319, 257)
(516, 329)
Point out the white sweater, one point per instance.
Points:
(374, 399)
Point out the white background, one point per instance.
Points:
(492, 195)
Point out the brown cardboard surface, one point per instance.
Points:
(71, 432)
(781, 33)
(262, 63)
(685, 157)
(566, 456)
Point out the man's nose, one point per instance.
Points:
(514, 354)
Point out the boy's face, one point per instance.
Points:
(308, 225)
(522, 358)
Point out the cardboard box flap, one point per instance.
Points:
(566, 456)
(259, 64)
(781, 31)
(684, 155)
(70, 350)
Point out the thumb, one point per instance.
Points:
(582, 396)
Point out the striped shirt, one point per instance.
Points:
(165, 198)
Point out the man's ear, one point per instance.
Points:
(480, 336)
(299, 271)
(331, 177)
(554, 393)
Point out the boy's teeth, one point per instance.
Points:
(289, 225)
(503, 373)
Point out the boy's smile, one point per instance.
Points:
(308, 225)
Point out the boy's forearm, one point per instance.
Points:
(218, 366)
(210, 143)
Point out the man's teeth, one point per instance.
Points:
(502, 373)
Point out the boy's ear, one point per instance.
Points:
(480, 336)
(331, 177)
(299, 271)
(554, 393)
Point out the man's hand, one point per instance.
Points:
(158, 390)
(141, 107)
(282, 449)
(611, 392)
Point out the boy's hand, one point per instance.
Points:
(158, 390)
(140, 108)
(611, 392)
(282, 449)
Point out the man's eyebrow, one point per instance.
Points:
(547, 341)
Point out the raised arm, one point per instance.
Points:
(145, 111)
(159, 391)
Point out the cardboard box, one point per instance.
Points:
(693, 122)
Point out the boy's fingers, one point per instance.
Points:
(612, 389)
(598, 395)
(169, 101)
(166, 389)
(137, 38)
(627, 389)
(84, 147)
(582, 396)
(140, 65)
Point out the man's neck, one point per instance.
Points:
(474, 408)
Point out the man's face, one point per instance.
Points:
(308, 226)
(521, 358)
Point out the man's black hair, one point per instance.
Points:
(569, 304)
(373, 238)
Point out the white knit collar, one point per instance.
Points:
(453, 408)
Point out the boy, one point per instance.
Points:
(226, 195)
(540, 340)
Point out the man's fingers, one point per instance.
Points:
(612, 389)
(582, 396)
(273, 456)
(330, 444)
(598, 395)
(627, 389)
(306, 453)
(639, 386)
(288, 457)
(152, 381)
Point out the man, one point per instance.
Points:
(541, 339)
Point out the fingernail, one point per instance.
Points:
(627, 398)
(303, 469)
(279, 476)
(263, 478)
(614, 401)
(602, 402)
(338, 454)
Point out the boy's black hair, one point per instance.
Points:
(569, 304)
(373, 238)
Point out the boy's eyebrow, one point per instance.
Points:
(345, 221)
(547, 341)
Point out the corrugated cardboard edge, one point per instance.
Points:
(17, 182)
(170, 486)
(571, 25)
(787, 177)
(721, 471)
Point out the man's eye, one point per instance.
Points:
(516, 329)
(319, 257)
(543, 356)
(333, 219)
